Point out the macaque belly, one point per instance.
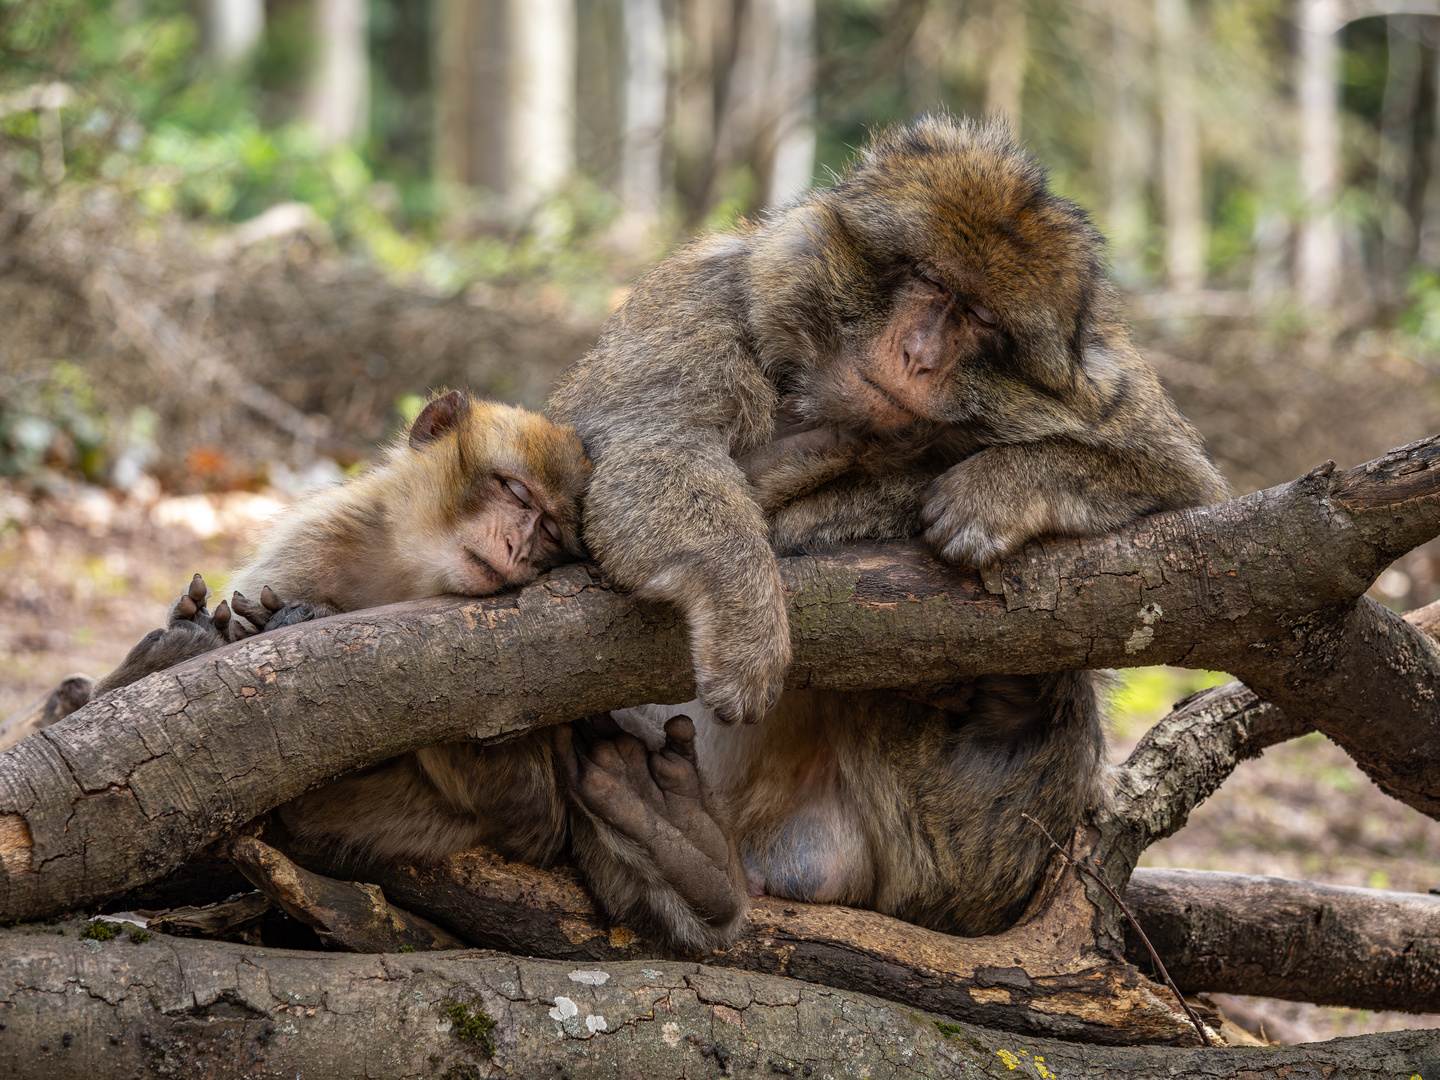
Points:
(816, 854)
(797, 830)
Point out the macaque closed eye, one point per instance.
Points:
(520, 492)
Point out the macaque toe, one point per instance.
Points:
(680, 731)
(197, 590)
(270, 600)
(228, 627)
(257, 614)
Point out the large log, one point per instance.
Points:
(77, 1009)
(1266, 586)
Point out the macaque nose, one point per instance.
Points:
(520, 541)
(920, 353)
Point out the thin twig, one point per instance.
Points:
(1101, 880)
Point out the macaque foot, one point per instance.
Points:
(657, 800)
(190, 611)
(190, 630)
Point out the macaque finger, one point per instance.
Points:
(185, 608)
(270, 600)
(197, 591)
(221, 618)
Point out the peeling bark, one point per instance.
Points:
(175, 1007)
(349, 915)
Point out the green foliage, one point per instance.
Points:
(138, 934)
(1421, 320)
(101, 930)
(1146, 694)
(52, 421)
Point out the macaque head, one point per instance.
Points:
(500, 489)
(959, 290)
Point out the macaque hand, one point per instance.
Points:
(983, 509)
(657, 800)
(190, 611)
(739, 639)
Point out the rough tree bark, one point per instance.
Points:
(1269, 587)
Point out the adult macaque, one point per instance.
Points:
(930, 345)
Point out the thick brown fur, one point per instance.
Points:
(929, 346)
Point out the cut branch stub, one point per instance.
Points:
(1265, 586)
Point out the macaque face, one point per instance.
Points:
(908, 372)
(508, 539)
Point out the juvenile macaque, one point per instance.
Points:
(929, 346)
(479, 497)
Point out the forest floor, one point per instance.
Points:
(84, 574)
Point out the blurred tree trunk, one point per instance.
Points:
(1180, 148)
(1317, 244)
(745, 101)
(505, 98)
(792, 163)
(338, 101)
(642, 161)
(1005, 78)
(1407, 143)
(233, 28)
(470, 93)
(1128, 145)
(540, 136)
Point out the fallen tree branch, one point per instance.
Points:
(176, 1007)
(1329, 944)
(1043, 976)
(346, 915)
(129, 787)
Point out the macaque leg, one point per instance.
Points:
(647, 835)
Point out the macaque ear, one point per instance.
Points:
(441, 416)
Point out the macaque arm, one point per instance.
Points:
(669, 514)
(851, 507)
(989, 505)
